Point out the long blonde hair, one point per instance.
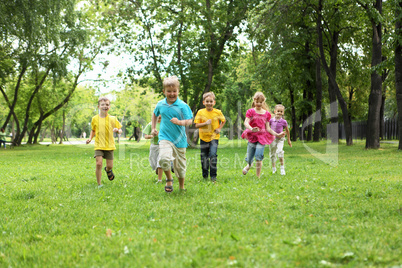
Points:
(260, 96)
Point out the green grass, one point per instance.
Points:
(346, 213)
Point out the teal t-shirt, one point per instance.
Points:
(148, 129)
(169, 131)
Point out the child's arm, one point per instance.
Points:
(269, 129)
(288, 134)
(218, 130)
(153, 126)
(178, 122)
(247, 125)
(208, 122)
(91, 135)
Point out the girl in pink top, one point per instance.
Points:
(258, 132)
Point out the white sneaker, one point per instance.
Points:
(274, 170)
(283, 171)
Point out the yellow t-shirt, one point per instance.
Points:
(207, 133)
(103, 128)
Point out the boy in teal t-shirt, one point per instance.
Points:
(176, 115)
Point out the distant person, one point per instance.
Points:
(103, 126)
(176, 115)
(210, 122)
(3, 138)
(84, 135)
(258, 132)
(277, 124)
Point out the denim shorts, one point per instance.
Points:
(255, 150)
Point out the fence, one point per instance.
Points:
(359, 130)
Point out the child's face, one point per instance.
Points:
(171, 94)
(258, 103)
(209, 103)
(279, 111)
(104, 106)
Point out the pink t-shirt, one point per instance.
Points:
(258, 120)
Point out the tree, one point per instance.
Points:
(375, 99)
(48, 36)
(398, 66)
(334, 88)
(186, 38)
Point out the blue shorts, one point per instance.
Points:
(255, 150)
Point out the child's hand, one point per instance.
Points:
(255, 129)
(290, 143)
(154, 132)
(116, 130)
(88, 141)
(281, 135)
(217, 131)
(208, 122)
(175, 121)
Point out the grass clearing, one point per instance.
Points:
(318, 215)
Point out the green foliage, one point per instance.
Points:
(317, 215)
(134, 106)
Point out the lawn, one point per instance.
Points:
(337, 205)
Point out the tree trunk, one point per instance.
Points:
(382, 120)
(318, 101)
(398, 68)
(63, 128)
(333, 109)
(330, 74)
(12, 105)
(295, 127)
(31, 135)
(373, 120)
(310, 113)
(38, 131)
(309, 89)
(28, 108)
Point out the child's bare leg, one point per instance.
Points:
(273, 163)
(160, 174)
(99, 163)
(258, 166)
(109, 165)
(281, 160)
(181, 183)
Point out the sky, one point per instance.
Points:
(117, 63)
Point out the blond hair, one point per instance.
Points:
(279, 105)
(171, 81)
(260, 96)
(103, 99)
(208, 94)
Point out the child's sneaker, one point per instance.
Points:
(273, 170)
(283, 170)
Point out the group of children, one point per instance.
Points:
(168, 137)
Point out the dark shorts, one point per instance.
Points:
(105, 154)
